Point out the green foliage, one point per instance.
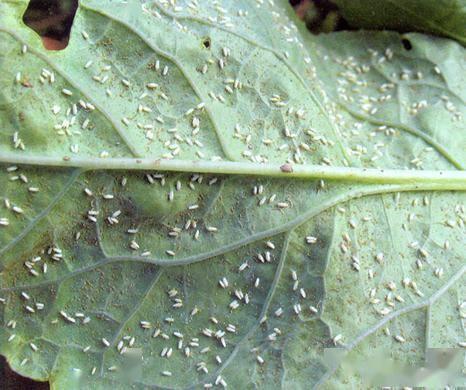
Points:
(438, 17)
(247, 274)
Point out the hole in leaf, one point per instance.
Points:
(406, 44)
(206, 43)
(52, 20)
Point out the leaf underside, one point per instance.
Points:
(175, 280)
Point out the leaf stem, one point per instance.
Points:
(441, 180)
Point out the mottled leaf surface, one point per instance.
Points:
(178, 280)
(400, 102)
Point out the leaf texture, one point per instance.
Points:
(444, 18)
(111, 278)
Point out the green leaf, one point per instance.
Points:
(291, 237)
(438, 17)
(418, 92)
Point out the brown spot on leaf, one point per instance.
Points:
(287, 168)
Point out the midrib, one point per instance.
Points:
(435, 180)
